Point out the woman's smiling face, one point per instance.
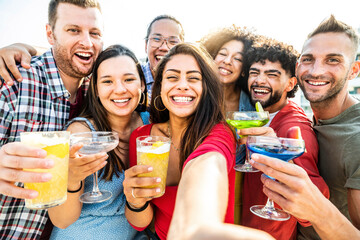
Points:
(230, 61)
(181, 86)
(119, 86)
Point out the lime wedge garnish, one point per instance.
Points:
(258, 107)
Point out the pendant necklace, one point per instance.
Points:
(177, 149)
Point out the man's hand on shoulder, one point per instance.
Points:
(12, 54)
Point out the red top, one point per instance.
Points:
(219, 140)
(291, 115)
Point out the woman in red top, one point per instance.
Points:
(186, 106)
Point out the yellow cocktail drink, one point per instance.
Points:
(53, 192)
(154, 151)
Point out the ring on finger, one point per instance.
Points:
(132, 193)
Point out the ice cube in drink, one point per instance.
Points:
(53, 192)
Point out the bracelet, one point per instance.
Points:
(133, 209)
(77, 190)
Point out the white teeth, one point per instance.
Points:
(159, 57)
(261, 90)
(317, 83)
(182, 99)
(224, 71)
(121, 100)
(84, 54)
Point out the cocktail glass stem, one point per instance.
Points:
(269, 211)
(246, 167)
(269, 206)
(95, 190)
(95, 196)
(247, 163)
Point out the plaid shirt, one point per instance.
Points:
(38, 103)
(148, 78)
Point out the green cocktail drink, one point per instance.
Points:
(241, 120)
(241, 124)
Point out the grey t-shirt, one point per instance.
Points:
(339, 159)
(339, 154)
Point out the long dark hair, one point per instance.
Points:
(94, 110)
(208, 113)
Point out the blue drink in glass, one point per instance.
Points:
(284, 149)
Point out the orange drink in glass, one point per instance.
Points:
(53, 192)
(154, 151)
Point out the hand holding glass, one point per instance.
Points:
(53, 192)
(284, 149)
(95, 142)
(241, 120)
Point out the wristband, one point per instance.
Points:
(77, 190)
(133, 209)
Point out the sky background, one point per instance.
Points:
(126, 21)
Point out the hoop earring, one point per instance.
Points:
(155, 104)
(143, 98)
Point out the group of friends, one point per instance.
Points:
(181, 92)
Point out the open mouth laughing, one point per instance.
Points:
(158, 57)
(84, 56)
(261, 90)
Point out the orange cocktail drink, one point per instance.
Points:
(53, 192)
(154, 151)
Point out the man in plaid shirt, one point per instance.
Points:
(50, 93)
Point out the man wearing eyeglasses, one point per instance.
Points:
(163, 33)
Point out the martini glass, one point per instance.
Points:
(241, 120)
(284, 149)
(95, 142)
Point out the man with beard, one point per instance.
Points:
(50, 94)
(272, 82)
(327, 64)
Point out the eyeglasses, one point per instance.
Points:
(157, 41)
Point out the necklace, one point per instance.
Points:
(177, 149)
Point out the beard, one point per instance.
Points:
(338, 85)
(275, 97)
(65, 64)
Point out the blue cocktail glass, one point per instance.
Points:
(284, 149)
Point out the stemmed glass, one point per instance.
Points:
(284, 149)
(95, 142)
(241, 120)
